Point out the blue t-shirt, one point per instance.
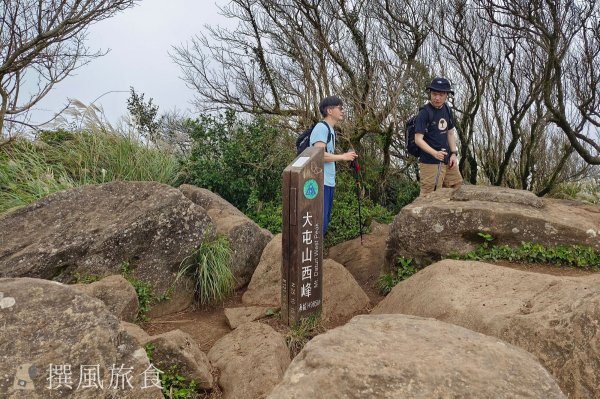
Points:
(435, 131)
(320, 133)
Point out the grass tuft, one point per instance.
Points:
(209, 267)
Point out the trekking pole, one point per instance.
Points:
(356, 168)
(437, 175)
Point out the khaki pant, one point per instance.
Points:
(447, 177)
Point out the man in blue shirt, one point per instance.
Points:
(434, 134)
(332, 110)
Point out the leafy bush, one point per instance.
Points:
(242, 161)
(209, 267)
(267, 215)
(143, 291)
(387, 281)
(174, 385)
(344, 224)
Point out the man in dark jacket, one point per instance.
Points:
(434, 134)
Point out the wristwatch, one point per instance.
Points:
(454, 152)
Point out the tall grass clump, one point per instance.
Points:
(209, 268)
(99, 156)
(27, 175)
(60, 159)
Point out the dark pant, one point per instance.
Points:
(327, 205)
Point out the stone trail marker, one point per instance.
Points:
(301, 268)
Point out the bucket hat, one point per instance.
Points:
(440, 85)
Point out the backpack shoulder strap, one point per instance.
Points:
(329, 135)
(449, 112)
(429, 109)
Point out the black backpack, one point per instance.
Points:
(303, 141)
(409, 137)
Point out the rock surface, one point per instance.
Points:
(448, 221)
(238, 316)
(251, 359)
(342, 296)
(93, 230)
(51, 332)
(177, 348)
(364, 260)
(398, 356)
(265, 285)
(246, 238)
(117, 293)
(554, 318)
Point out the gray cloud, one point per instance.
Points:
(139, 40)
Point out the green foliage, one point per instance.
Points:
(55, 136)
(487, 239)
(144, 115)
(60, 160)
(150, 348)
(242, 161)
(344, 224)
(209, 267)
(566, 255)
(299, 334)
(406, 192)
(387, 281)
(175, 386)
(142, 289)
(266, 214)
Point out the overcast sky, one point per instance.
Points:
(139, 40)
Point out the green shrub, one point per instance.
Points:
(174, 385)
(387, 281)
(143, 291)
(267, 215)
(344, 224)
(209, 267)
(242, 161)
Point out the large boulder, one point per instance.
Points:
(246, 238)
(398, 356)
(554, 318)
(448, 221)
(364, 258)
(342, 296)
(265, 285)
(178, 349)
(93, 230)
(117, 293)
(53, 337)
(251, 361)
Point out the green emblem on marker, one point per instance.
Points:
(311, 189)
